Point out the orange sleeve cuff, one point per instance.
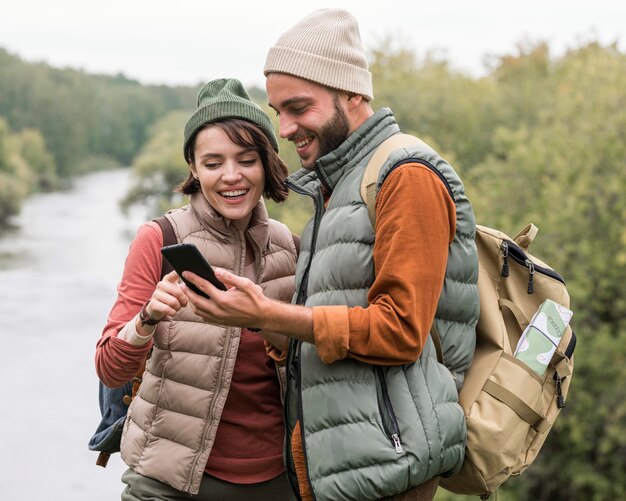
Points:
(331, 330)
(279, 356)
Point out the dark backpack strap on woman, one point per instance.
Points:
(114, 402)
(169, 238)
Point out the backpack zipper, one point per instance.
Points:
(511, 250)
(531, 274)
(569, 351)
(388, 416)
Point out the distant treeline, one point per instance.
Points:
(55, 123)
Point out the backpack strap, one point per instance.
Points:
(369, 190)
(380, 156)
(169, 238)
(434, 334)
(521, 408)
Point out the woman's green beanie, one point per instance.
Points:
(227, 98)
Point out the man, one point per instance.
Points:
(370, 412)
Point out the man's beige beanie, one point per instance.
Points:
(324, 47)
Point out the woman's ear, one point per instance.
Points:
(194, 172)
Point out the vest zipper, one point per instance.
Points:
(295, 348)
(302, 296)
(222, 370)
(388, 416)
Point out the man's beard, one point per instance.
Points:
(333, 132)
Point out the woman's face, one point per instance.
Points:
(231, 177)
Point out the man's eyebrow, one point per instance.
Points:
(289, 102)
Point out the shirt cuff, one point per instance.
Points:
(129, 334)
(277, 355)
(331, 331)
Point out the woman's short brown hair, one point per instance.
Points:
(246, 135)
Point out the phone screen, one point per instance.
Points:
(187, 257)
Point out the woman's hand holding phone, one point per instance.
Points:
(186, 257)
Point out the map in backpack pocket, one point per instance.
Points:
(542, 336)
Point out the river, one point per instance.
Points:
(59, 266)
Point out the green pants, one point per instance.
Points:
(140, 488)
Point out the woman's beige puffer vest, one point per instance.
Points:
(171, 424)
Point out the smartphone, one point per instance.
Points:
(187, 257)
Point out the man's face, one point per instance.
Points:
(311, 116)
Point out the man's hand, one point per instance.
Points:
(242, 305)
(245, 305)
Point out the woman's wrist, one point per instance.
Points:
(145, 318)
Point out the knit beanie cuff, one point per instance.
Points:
(227, 98)
(319, 69)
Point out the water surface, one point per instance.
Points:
(59, 266)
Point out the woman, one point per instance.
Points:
(207, 421)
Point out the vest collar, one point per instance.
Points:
(257, 230)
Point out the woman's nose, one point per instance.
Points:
(232, 172)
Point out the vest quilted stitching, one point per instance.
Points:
(348, 453)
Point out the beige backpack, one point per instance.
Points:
(509, 408)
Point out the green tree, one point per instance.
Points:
(562, 166)
(16, 179)
(32, 148)
(160, 166)
(82, 116)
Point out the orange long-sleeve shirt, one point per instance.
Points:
(415, 224)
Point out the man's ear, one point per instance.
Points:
(353, 101)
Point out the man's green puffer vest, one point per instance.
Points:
(372, 431)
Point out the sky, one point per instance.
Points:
(188, 42)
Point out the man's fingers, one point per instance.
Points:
(231, 280)
(202, 284)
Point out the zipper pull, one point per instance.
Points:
(505, 255)
(531, 272)
(560, 399)
(396, 442)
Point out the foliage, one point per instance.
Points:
(32, 147)
(26, 166)
(82, 115)
(67, 122)
(563, 166)
(543, 140)
(160, 166)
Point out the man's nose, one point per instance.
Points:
(287, 127)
